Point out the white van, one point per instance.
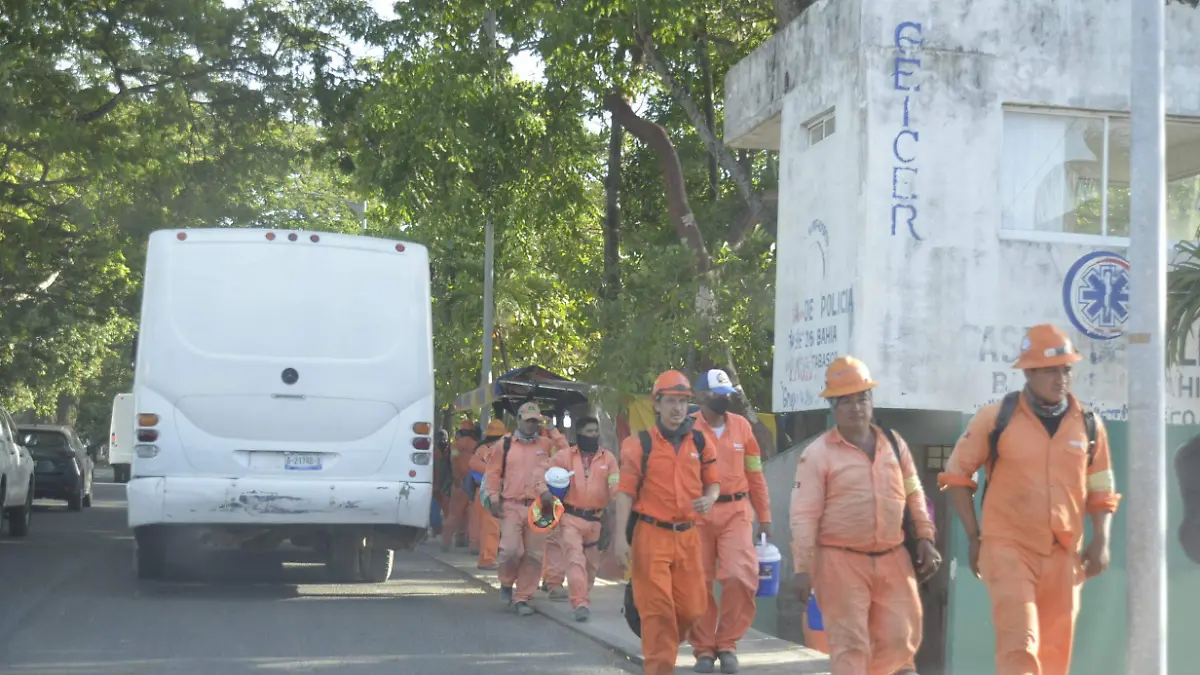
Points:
(283, 392)
(120, 437)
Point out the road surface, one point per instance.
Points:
(69, 605)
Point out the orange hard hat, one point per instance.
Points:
(671, 382)
(845, 376)
(466, 425)
(544, 522)
(496, 428)
(1045, 346)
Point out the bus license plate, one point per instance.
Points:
(302, 461)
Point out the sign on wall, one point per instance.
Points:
(817, 322)
(1096, 295)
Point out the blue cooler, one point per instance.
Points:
(769, 563)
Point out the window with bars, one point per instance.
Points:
(936, 457)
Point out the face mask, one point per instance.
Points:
(718, 404)
(588, 443)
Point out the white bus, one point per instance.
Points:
(284, 393)
(120, 437)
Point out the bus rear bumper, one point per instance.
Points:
(274, 501)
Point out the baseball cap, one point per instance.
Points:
(716, 381)
(529, 411)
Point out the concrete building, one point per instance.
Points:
(952, 173)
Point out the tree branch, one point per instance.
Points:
(715, 147)
(743, 226)
(678, 207)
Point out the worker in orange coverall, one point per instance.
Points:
(1046, 474)
(847, 514)
(459, 516)
(554, 563)
(489, 525)
(595, 472)
(515, 478)
(678, 486)
(727, 533)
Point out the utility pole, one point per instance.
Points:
(1146, 583)
(489, 258)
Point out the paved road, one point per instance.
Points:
(69, 605)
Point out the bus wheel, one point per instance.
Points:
(377, 564)
(344, 560)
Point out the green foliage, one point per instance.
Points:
(448, 136)
(119, 118)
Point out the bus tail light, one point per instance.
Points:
(147, 419)
(147, 435)
(421, 458)
(421, 442)
(422, 428)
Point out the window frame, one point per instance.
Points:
(1076, 238)
(822, 121)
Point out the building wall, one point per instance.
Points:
(908, 236)
(905, 237)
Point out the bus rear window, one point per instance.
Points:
(301, 301)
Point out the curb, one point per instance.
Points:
(635, 659)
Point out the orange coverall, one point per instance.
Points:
(489, 525)
(846, 516)
(554, 563)
(460, 517)
(1032, 528)
(667, 569)
(727, 535)
(521, 549)
(591, 490)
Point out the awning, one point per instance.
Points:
(529, 382)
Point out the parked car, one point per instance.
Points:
(16, 478)
(63, 468)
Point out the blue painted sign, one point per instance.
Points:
(1096, 295)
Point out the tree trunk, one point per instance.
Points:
(612, 212)
(710, 114)
(656, 137)
(66, 410)
(715, 147)
(762, 434)
(678, 206)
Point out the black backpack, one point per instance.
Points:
(629, 608)
(644, 437)
(1007, 407)
(907, 524)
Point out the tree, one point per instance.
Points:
(121, 117)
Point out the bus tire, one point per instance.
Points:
(376, 564)
(344, 562)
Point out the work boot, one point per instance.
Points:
(582, 614)
(558, 594)
(729, 662)
(704, 664)
(523, 609)
(506, 595)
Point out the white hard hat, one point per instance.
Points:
(558, 477)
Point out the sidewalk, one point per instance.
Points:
(758, 653)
